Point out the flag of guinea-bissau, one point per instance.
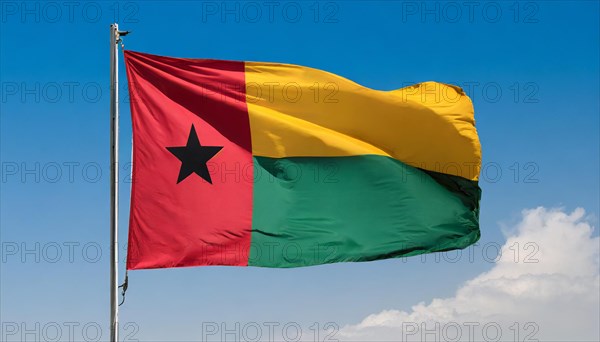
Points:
(278, 165)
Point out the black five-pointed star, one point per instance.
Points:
(193, 157)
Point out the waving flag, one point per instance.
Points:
(278, 165)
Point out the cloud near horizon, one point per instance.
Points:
(551, 293)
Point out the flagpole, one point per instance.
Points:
(114, 185)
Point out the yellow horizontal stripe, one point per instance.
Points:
(297, 111)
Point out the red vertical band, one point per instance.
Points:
(178, 218)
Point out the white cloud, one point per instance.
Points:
(552, 291)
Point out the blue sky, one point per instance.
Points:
(531, 69)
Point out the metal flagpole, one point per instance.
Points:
(115, 39)
(114, 177)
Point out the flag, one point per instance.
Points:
(279, 165)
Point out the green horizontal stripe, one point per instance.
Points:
(318, 210)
